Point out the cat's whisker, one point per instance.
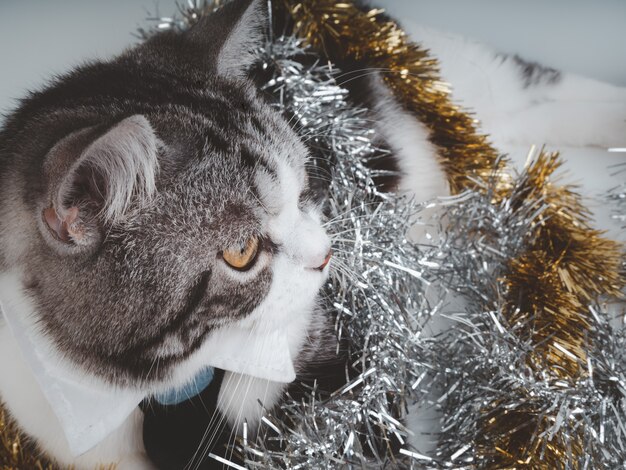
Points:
(319, 172)
(250, 379)
(323, 178)
(338, 222)
(295, 117)
(233, 395)
(346, 272)
(209, 427)
(342, 269)
(263, 403)
(338, 252)
(152, 364)
(356, 123)
(233, 433)
(192, 460)
(345, 214)
(205, 444)
(213, 427)
(372, 71)
(349, 73)
(310, 164)
(306, 137)
(336, 236)
(351, 242)
(237, 423)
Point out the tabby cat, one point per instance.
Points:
(156, 218)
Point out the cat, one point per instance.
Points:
(156, 193)
(152, 200)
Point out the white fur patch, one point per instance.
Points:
(422, 173)
(576, 111)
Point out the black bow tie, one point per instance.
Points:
(181, 436)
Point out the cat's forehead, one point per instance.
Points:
(280, 189)
(256, 152)
(278, 164)
(226, 176)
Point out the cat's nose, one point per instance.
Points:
(326, 261)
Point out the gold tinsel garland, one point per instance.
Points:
(548, 287)
(14, 454)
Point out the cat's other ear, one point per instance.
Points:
(232, 34)
(91, 178)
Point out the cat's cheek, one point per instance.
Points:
(290, 306)
(292, 293)
(292, 301)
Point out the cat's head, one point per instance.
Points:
(158, 199)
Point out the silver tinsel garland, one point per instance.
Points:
(374, 285)
(424, 322)
(393, 301)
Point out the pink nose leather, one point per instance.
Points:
(326, 260)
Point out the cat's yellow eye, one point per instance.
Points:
(242, 257)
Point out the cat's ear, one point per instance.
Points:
(92, 177)
(232, 34)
